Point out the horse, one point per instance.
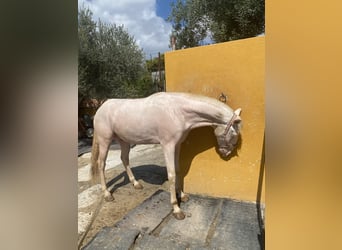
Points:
(164, 118)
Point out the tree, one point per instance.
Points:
(87, 68)
(221, 20)
(190, 24)
(110, 62)
(152, 65)
(236, 19)
(156, 67)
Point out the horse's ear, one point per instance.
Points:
(237, 123)
(238, 111)
(237, 120)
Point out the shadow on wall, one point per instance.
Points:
(198, 141)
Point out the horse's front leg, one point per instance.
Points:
(179, 179)
(169, 152)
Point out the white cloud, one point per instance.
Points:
(139, 18)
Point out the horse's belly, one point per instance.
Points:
(139, 140)
(147, 141)
(138, 136)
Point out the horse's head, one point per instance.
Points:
(228, 135)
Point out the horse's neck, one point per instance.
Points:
(202, 113)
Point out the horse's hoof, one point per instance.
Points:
(138, 186)
(109, 198)
(179, 216)
(185, 198)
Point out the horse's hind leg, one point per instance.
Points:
(125, 148)
(104, 147)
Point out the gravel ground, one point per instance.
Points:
(148, 166)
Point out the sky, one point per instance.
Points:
(143, 19)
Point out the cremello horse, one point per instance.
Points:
(162, 118)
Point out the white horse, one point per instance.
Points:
(162, 118)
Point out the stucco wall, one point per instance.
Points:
(236, 69)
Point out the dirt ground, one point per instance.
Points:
(149, 169)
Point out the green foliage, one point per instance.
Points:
(110, 63)
(236, 19)
(221, 20)
(190, 24)
(152, 65)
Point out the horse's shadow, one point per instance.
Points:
(152, 174)
(198, 141)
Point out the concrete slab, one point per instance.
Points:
(211, 223)
(237, 227)
(194, 228)
(113, 238)
(147, 216)
(153, 242)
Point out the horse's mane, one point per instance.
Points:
(204, 100)
(201, 98)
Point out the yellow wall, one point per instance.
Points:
(237, 69)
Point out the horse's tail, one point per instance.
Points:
(94, 168)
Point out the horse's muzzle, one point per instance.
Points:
(224, 152)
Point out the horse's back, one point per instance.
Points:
(138, 106)
(138, 120)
